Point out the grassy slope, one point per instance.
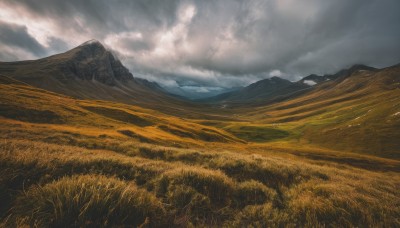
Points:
(358, 114)
(178, 171)
(98, 118)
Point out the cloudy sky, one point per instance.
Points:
(224, 43)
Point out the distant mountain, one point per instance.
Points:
(276, 89)
(196, 92)
(259, 92)
(314, 79)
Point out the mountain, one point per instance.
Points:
(259, 92)
(90, 71)
(276, 89)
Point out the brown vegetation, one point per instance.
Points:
(77, 163)
(48, 184)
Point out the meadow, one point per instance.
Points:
(53, 185)
(66, 162)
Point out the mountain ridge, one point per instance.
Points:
(276, 89)
(260, 91)
(340, 74)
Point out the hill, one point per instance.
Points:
(22, 102)
(357, 111)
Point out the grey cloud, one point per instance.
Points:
(58, 45)
(278, 40)
(17, 36)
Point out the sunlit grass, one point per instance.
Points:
(215, 189)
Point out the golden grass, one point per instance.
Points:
(41, 109)
(88, 200)
(100, 163)
(361, 121)
(217, 188)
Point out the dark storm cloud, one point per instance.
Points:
(301, 37)
(101, 17)
(13, 35)
(214, 43)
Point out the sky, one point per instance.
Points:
(209, 44)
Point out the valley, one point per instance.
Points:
(105, 149)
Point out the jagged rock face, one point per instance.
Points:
(93, 62)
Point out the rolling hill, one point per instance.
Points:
(67, 161)
(22, 102)
(357, 111)
(83, 143)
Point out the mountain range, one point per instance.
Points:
(277, 89)
(90, 71)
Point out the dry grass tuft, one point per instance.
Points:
(88, 200)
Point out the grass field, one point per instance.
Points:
(48, 185)
(75, 163)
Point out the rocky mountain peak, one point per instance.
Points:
(92, 61)
(92, 42)
(91, 48)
